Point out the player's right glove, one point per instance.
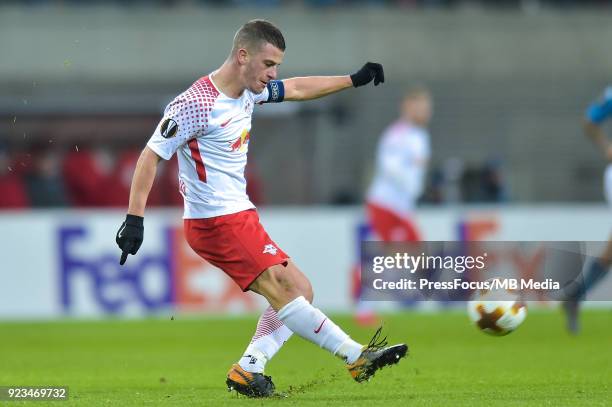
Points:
(129, 236)
(369, 71)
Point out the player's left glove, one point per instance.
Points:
(369, 71)
(129, 236)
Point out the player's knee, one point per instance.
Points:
(307, 292)
(284, 280)
(301, 282)
(293, 282)
(281, 284)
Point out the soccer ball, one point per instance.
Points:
(497, 312)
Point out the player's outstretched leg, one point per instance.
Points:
(269, 337)
(285, 286)
(362, 361)
(375, 356)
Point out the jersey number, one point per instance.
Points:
(197, 157)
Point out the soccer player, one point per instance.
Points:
(208, 127)
(401, 164)
(596, 114)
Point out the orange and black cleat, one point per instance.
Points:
(249, 384)
(375, 356)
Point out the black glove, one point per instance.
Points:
(129, 236)
(369, 71)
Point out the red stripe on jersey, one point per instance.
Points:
(197, 157)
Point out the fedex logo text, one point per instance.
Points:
(114, 287)
(91, 281)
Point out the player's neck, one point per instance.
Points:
(412, 123)
(225, 80)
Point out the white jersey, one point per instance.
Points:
(401, 164)
(210, 133)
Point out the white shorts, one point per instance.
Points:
(608, 184)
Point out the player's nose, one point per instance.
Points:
(272, 73)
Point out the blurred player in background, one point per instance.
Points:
(208, 127)
(399, 180)
(596, 115)
(401, 165)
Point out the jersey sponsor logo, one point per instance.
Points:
(169, 128)
(270, 249)
(241, 142)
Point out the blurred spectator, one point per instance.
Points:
(493, 186)
(84, 178)
(483, 183)
(101, 178)
(12, 188)
(117, 185)
(434, 190)
(452, 170)
(456, 182)
(44, 184)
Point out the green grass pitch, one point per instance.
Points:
(183, 362)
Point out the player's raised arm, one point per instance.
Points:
(313, 87)
(130, 234)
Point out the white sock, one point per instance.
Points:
(269, 337)
(311, 324)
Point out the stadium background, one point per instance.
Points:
(83, 85)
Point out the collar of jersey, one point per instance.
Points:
(219, 90)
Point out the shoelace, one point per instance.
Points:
(376, 343)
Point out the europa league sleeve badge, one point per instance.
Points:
(169, 128)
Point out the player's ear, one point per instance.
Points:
(243, 56)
